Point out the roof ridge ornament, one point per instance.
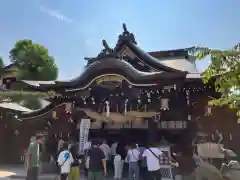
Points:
(125, 36)
(124, 27)
(106, 52)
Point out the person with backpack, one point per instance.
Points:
(65, 161)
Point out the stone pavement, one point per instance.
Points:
(19, 173)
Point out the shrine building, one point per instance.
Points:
(127, 93)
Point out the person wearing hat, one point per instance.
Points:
(33, 158)
(97, 162)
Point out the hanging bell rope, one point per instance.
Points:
(107, 108)
(125, 107)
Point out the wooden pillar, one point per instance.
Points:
(152, 130)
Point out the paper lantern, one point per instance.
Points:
(68, 107)
(54, 115)
(165, 104)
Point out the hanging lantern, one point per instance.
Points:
(208, 111)
(165, 104)
(54, 114)
(68, 107)
(93, 100)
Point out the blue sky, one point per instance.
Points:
(73, 29)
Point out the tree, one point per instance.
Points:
(33, 61)
(1, 62)
(5, 94)
(225, 68)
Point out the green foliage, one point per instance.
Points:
(225, 67)
(33, 61)
(24, 94)
(1, 62)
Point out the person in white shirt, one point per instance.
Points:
(65, 160)
(152, 155)
(106, 149)
(114, 148)
(132, 158)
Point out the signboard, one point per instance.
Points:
(83, 134)
(109, 78)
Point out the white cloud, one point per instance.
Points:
(55, 14)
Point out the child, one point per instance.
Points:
(118, 166)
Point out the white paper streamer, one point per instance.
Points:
(83, 134)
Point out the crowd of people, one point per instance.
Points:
(99, 159)
(142, 161)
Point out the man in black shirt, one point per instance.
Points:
(97, 162)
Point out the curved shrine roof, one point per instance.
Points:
(109, 66)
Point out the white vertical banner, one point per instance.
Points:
(83, 134)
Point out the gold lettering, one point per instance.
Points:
(109, 78)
